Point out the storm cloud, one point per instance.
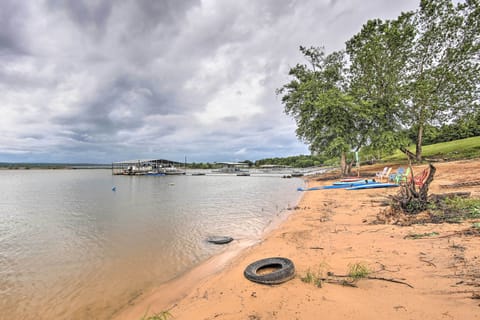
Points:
(102, 81)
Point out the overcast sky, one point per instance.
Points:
(102, 81)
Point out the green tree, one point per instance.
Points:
(443, 66)
(417, 71)
(378, 55)
(328, 119)
(412, 73)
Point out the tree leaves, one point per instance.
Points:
(418, 70)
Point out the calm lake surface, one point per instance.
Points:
(71, 248)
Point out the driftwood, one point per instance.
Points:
(341, 282)
(462, 184)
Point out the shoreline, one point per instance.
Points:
(166, 295)
(328, 231)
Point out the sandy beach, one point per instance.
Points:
(438, 276)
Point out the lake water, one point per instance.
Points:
(71, 248)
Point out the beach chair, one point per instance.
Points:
(393, 176)
(384, 174)
(381, 173)
(420, 178)
(403, 177)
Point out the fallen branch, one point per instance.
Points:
(341, 282)
(467, 232)
(461, 184)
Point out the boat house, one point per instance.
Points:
(147, 167)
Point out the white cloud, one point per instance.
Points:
(95, 81)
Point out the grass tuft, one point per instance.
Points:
(421, 235)
(313, 278)
(470, 207)
(358, 271)
(162, 315)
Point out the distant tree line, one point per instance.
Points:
(464, 127)
(301, 161)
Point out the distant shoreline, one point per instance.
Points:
(49, 166)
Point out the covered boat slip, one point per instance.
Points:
(146, 167)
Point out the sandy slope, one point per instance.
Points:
(328, 231)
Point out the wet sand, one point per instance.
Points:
(329, 231)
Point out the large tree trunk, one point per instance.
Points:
(410, 155)
(343, 163)
(418, 149)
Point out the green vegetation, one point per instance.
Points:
(313, 278)
(394, 81)
(358, 271)
(468, 208)
(422, 235)
(301, 161)
(465, 127)
(163, 315)
(459, 149)
(455, 209)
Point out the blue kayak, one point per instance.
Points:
(354, 183)
(373, 185)
(340, 186)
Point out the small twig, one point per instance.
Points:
(428, 262)
(316, 248)
(371, 231)
(384, 268)
(390, 280)
(373, 278)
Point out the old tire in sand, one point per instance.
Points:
(279, 270)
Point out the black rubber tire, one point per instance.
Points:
(284, 270)
(219, 239)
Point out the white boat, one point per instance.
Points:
(232, 168)
(171, 170)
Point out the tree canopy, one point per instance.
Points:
(395, 76)
(328, 119)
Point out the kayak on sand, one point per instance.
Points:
(372, 186)
(337, 185)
